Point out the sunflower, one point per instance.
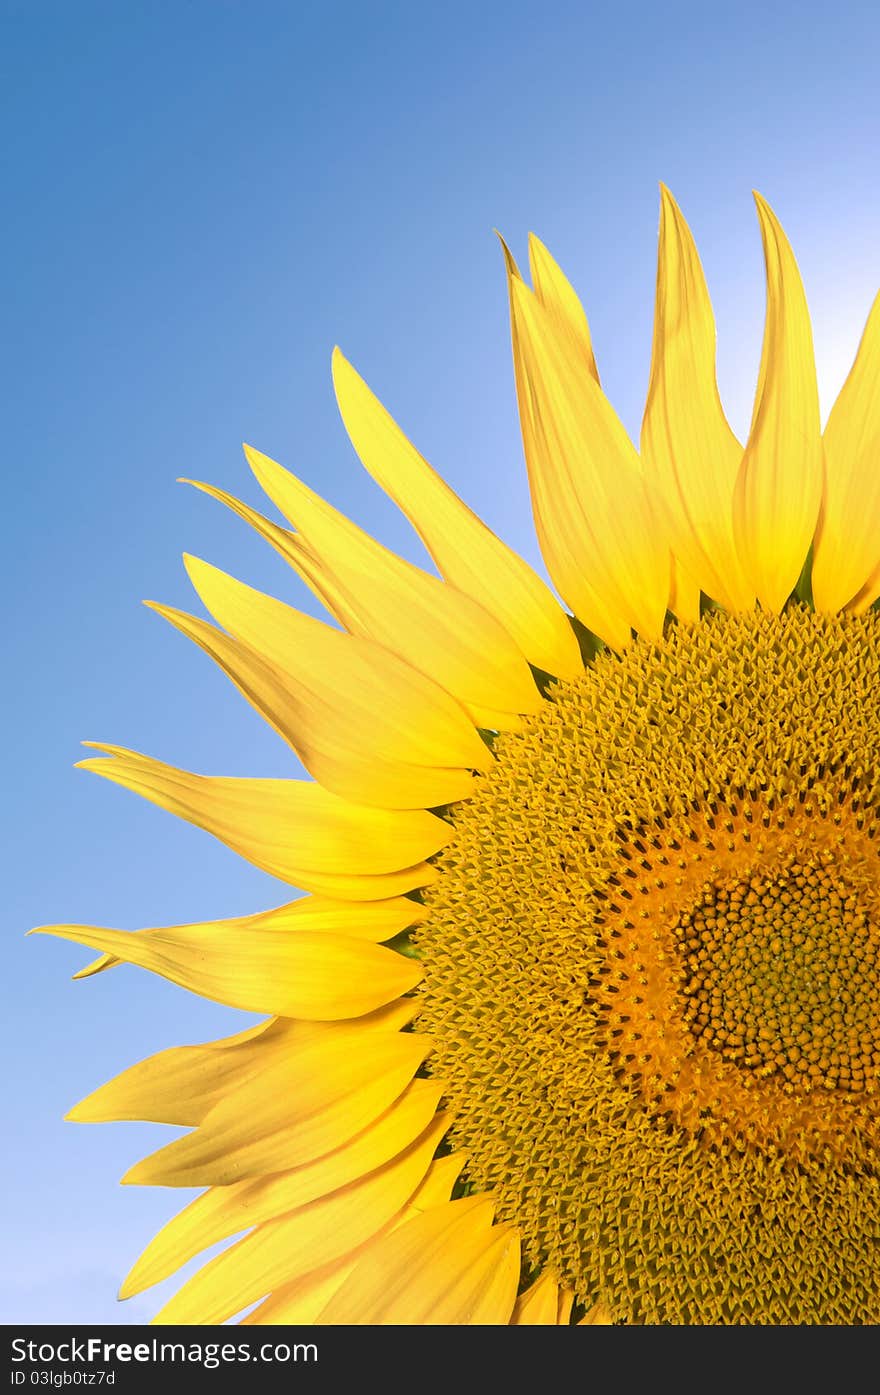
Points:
(579, 1017)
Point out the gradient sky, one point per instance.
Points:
(201, 199)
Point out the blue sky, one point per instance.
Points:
(201, 199)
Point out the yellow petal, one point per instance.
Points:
(342, 605)
(559, 298)
(780, 481)
(436, 1187)
(96, 966)
(292, 829)
(687, 444)
(369, 920)
(341, 759)
(350, 694)
(447, 1266)
(316, 1097)
(846, 560)
(545, 1304)
(432, 625)
(600, 536)
(466, 552)
(564, 1304)
(684, 594)
(182, 1085)
(292, 548)
(300, 1302)
(305, 1240)
(599, 1315)
(223, 1211)
(318, 977)
(365, 920)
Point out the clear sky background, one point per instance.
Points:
(201, 198)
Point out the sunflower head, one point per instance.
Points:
(579, 1017)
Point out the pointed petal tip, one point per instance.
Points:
(771, 227)
(668, 201)
(197, 566)
(90, 762)
(341, 366)
(61, 932)
(77, 1115)
(107, 754)
(131, 1285)
(509, 259)
(264, 468)
(763, 207)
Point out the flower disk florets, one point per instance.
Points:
(652, 974)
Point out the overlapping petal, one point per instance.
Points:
(330, 751)
(315, 976)
(433, 626)
(598, 1315)
(467, 553)
(544, 1304)
(448, 1265)
(182, 1085)
(686, 442)
(364, 920)
(600, 532)
(333, 1080)
(559, 298)
(308, 1238)
(369, 725)
(846, 561)
(294, 829)
(223, 1211)
(302, 1300)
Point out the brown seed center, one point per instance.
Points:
(782, 976)
(741, 994)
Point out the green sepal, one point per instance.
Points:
(803, 591)
(402, 943)
(590, 644)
